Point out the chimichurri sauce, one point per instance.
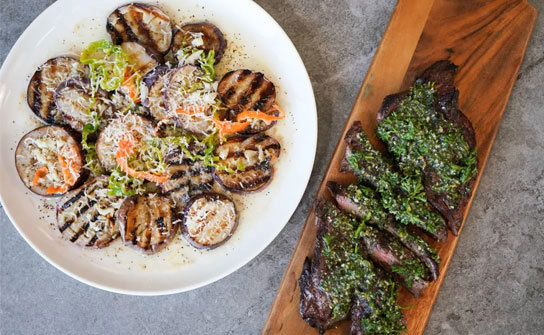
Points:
(421, 138)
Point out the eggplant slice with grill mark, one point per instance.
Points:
(147, 223)
(37, 159)
(244, 90)
(193, 175)
(87, 216)
(139, 57)
(73, 100)
(45, 81)
(251, 158)
(108, 139)
(179, 88)
(154, 103)
(209, 220)
(145, 24)
(203, 36)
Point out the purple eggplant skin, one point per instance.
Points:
(212, 38)
(45, 81)
(257, 170)
(22, 167)
(210, 197)
(126, 24)
(150, 78)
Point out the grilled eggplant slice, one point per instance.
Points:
(49, 161)
(203, 36)
(139, 57)
(87, 215)
(247, 90)
(209, 220)
(147, 223)
(45, 81)
(154, 103)
(184, 90)
(141, 23)
(108, 139)
(193, 175)
(73, 100)
(251, 158)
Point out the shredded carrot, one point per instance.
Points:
(130, 84)
(126, 147)
(191, 110)
(39, 174)
(56, 189)
(265, 116)
(227, 127)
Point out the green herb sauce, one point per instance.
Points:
(422, 138)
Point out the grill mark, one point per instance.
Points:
(178, 174)
(160, 223)
(85, 208)
(130, 35)
(66, 225)
(274, 146)
(92, 240)
(145, 30)
(229, 93)
(80, 232)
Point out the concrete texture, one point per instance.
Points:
(495, 284)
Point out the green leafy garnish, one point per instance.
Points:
(207, 63)
(121, 184)
(107, 64)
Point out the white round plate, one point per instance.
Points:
(255, 41)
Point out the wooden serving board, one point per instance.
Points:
(487, 39)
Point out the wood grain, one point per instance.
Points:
(487, 39)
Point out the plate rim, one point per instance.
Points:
(312, 145)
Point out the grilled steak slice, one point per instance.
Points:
(86, 216)
(139, 57)
(49, 161)
(73, 99)
(337, 271)
(203, 36)
(209, 220)
(193, 175)
(247, 162)
(399, 262)
(403, 196)
(187, 99)
(433, 140)
(147, 223)
(108, 139)
(141, 23)
(247, 90)
(45, 81)
(364, 203)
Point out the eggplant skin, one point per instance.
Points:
(128, 24)
(45, 81)
(25, 166)
(212, 38)
(255, 154)
(147, 223)
(73, 99)
(217, 200)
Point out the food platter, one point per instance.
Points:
(255, 41)
(475, 35)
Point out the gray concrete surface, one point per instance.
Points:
(495, 284)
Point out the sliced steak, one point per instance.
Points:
(147, 223)
(45, 81)
(209, 220)
(145, 24)
(250, 158)
(431, 138)
(402, 195)
(87, 216)
(73, 99)
(364, 203)
(49, 161)
(203, 36)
